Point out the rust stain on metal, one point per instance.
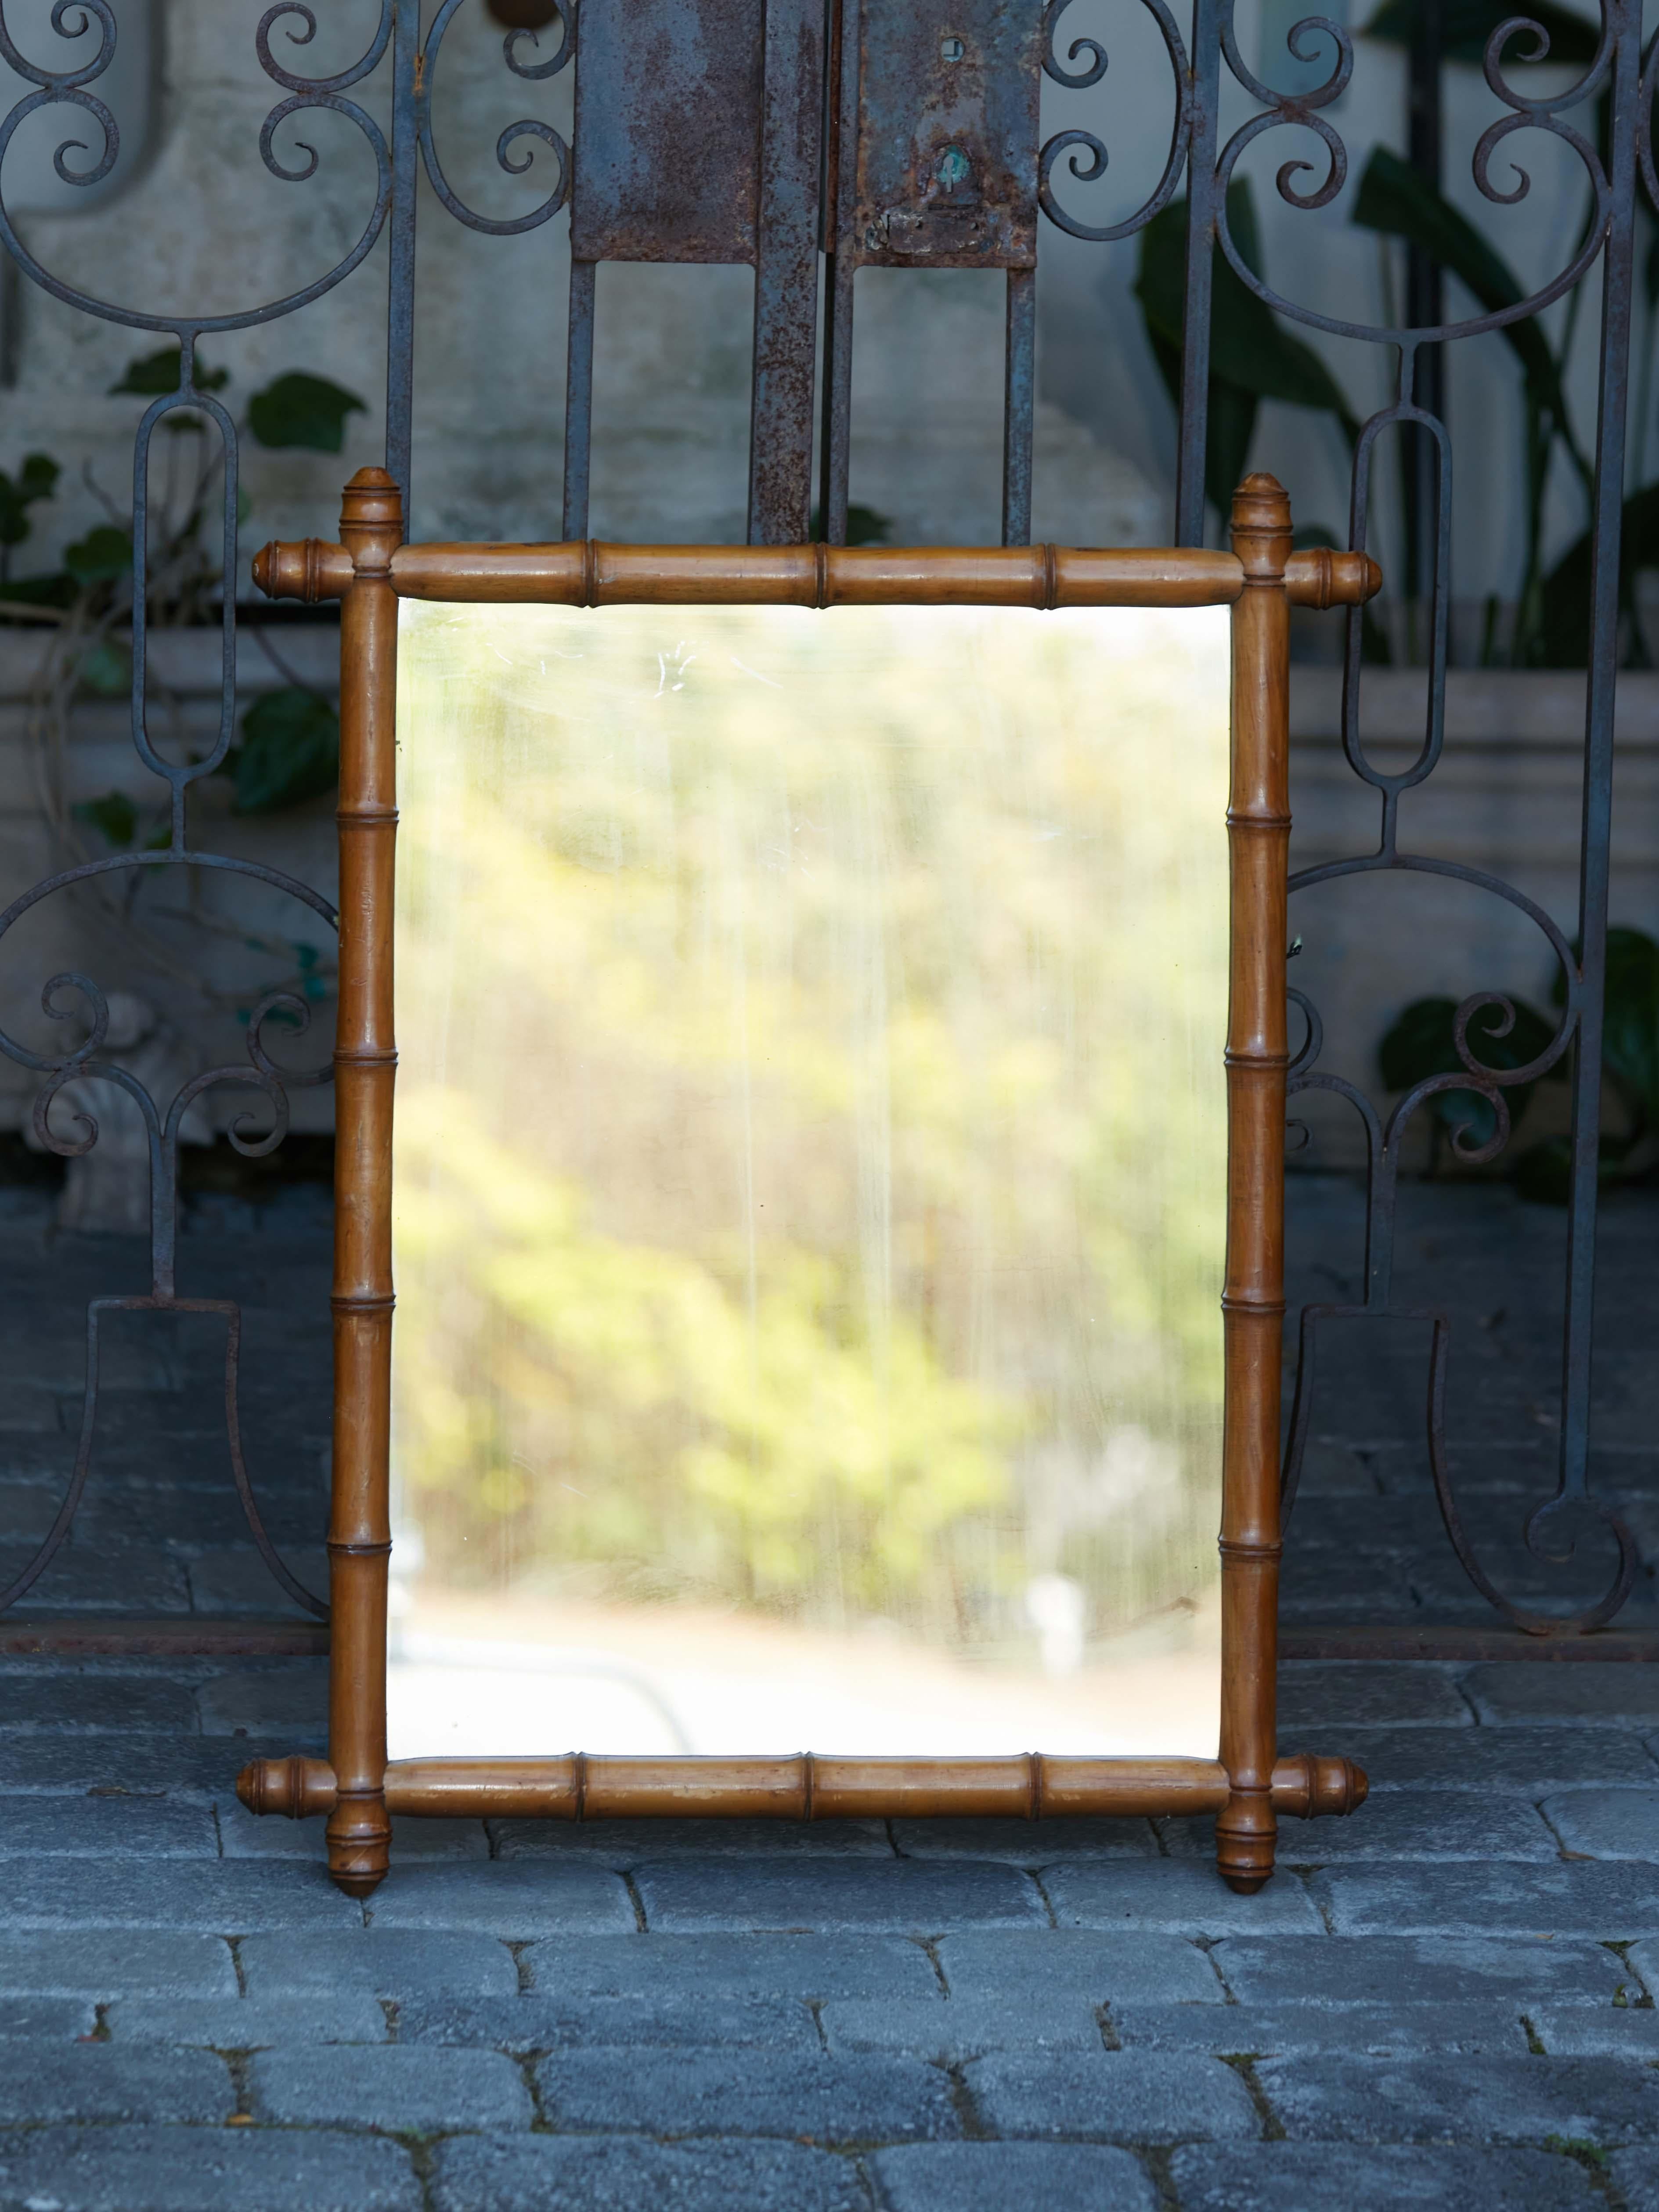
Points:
(946, 161)
(668, 125)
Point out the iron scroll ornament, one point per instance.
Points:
(77, 163)
(1618, 69)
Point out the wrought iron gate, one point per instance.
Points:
(802, 138)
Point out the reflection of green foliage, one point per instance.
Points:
(839, 1163)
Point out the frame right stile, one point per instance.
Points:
(1247, 1785)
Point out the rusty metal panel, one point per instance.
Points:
(786, 276)
(668, 130)
(946, 161)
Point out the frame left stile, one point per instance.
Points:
(1248, 1783)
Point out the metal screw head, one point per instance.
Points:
(951, 50)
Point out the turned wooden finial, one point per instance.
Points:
(311, 570)
(372, 520)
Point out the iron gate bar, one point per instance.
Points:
(1067, 164)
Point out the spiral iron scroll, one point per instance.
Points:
(282, 31)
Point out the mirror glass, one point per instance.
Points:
(809, 1175)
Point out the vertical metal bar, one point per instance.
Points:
(400, 274)
(1018, 403)
(786, 276)
(1203, 95)
(579, 400)
(1616, 286)
(837, 440)
(1425, 306)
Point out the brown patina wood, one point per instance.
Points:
(1248, 1783)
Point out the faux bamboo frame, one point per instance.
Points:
(369, 571)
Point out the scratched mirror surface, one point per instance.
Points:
(809, 1179)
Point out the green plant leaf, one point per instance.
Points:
(106, 670)
(1396, 200)
(1630, 1017)
(307, 411)
(153, 374)
(1252, 356)
(1563, 631)
(290, 752)
(54, 591)
(36, 480)
(114, 815)
(1422, 1042)
(866, 525)
(1466, 26)
(99, 558)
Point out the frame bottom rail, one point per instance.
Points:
(804, 1786)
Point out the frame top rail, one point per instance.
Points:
(587, 573)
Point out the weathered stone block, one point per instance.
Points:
(108, 1962)
(1607, 1824)
(1618, 1695)
(1025, 1843)
(106, 1827)
(1419, 1970)
(1530, 1760)
(1112, 2096)
(516, 1902)
(1020, 1968)
(993, 2177)
(629, 1844)
(225, 1894)
(1400, 1825)
(1607, 1902)
(966, 2027)
(377, 1963)
(193, 2169)
(550, 2173)
(1284, 2176)
(1318, 1698)
(1480, 2100)
(402, 2091)
(54, 2081)
(1626, 2031)
(688, 1896)
(804, 2097)
(1177, 1898)
(537, 2022)
(811, 1966)
(1283, 2030)
(246, 2023)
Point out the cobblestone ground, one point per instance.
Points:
(1447, 2000)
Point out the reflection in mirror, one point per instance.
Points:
(809, 1179)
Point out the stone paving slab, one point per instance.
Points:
(1622, 1696)
(233, 1895)
(1631, 2030)
(1396, 1827)
(1287, 2177)
(1028, 1843)
(1318, 1696)
(1176, 1897)
(1376, 2031)
(46, 2020)
(379, 1963)
(998, 2177)
(553, 2174)
(693, 1896)
(1516, 2101)
(804, 2097)
(1100, 1969)
(627, 1845)
(36, 1827)
(1608, 1902)
(1389, 1969)
(69, 1701)
(1533, 1761)
(546, 2022)
(756, 1965)
(183, 2169)
(1112, 2096)
(519, 1902)
(965, 2028)
(423, 2090)
(1606, 1824)
(152, 1766)
(1635, 2175)
(50, 2083)
(108, 1962)
(246, 2023)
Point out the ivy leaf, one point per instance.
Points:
(290, 752)
(36, 480)
(100, 557)
(114, 815)
(106, 670)
(303, 410)
(1564, 639)
(154, 375)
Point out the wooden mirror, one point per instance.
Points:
(836, 1184)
